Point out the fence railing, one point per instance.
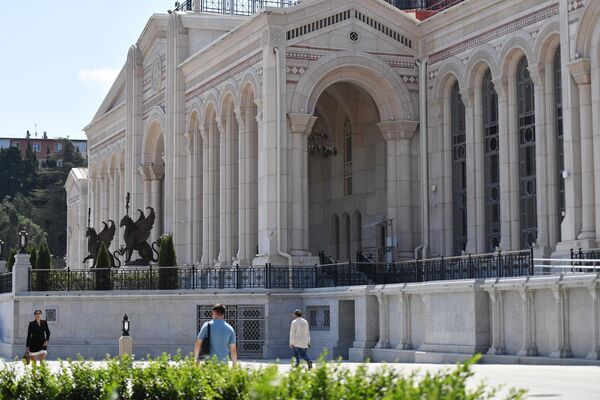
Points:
(494, 265)
(6, 282)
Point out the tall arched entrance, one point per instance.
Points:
(346, 175)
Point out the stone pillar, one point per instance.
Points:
(580, 70)
(300, 127)
(125, 346)
(541, 167)
(405, 332)
(477, 155)
(207, 200)
(384, 321)
(366, 327)
(594, 354)
(528, 347)
(563, 348)
(21, 273)
(224, 257)
(156, 196)
(501, 86)
(497, 303)
(398, 135)
(553, 174)
(467, 96)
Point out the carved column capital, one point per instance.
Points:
(580, 70)
(394, 130)
(301, 123)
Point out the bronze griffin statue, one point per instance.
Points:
(136, 236)
(106, 235)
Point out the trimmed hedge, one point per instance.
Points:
(103, 279)
(162, 378)
(167, 260)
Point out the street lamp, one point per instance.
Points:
(23, 239)
(1, 250)
(125, 326)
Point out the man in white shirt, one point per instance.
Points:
(300, 338)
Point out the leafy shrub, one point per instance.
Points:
(180, 378)
(167, 275)
(11, 259)
(33, 257)
(43, 263)
(103, 280)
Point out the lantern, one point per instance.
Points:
(125, 325)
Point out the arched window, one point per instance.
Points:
(527, 174)
(560, 154)
(459, 169)
(347, 158)
(491, 163)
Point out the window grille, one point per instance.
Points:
(248, 321)
(51, 314)
(347, 158)
(459, 170)
(527, 172)
(319, 318)
(560, 153)
(491, 163)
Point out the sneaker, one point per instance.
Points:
(309, 364)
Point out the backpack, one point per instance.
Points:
(205, 348)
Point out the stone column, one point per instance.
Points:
(553, 174)
(563, 348)
(594, 354)
(104, 198)
(398, 135)
(300, 127)
(405, 333)
(528, 347)
(244, 190)
(156, 196)
(497, 303)
(501, 86)
(225, 204)
(207, 200)
(366, 327)
(580, 70)
(541, 167)
(384, 321)
(467, 96)
(478, 162)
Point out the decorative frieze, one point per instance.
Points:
(495, 33)
(575, 5)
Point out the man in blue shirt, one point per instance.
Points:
(222, 337)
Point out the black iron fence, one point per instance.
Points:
(494, 265)
(6, 282)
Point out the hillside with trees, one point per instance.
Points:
(32, 196)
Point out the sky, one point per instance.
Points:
(58, 59)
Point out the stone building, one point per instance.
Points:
(349, 126)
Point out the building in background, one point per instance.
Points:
(43, 147)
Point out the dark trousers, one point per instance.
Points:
(301, 353)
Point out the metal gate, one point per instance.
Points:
(248, 321)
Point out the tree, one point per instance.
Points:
(167, 263)
(103, 281)
(11, 259)
(13, 220)
(44, 263)
(33, 257)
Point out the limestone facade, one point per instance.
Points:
(475, 129)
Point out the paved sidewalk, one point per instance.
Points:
(541, 381)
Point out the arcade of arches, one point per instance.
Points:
(275, 145)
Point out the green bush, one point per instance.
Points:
(11, 259)
(167, 260)
(180, 378)
(33, 257)
(43, 262)
(103, 280)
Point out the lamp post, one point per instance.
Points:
(1, 250)
(125, 341)
(23, 240)
(125, 326)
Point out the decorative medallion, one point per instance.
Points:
(157, 73)
(353, 36)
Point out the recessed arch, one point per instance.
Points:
(451, 71)
(381, 81)
(518, 45)
(483, 58)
